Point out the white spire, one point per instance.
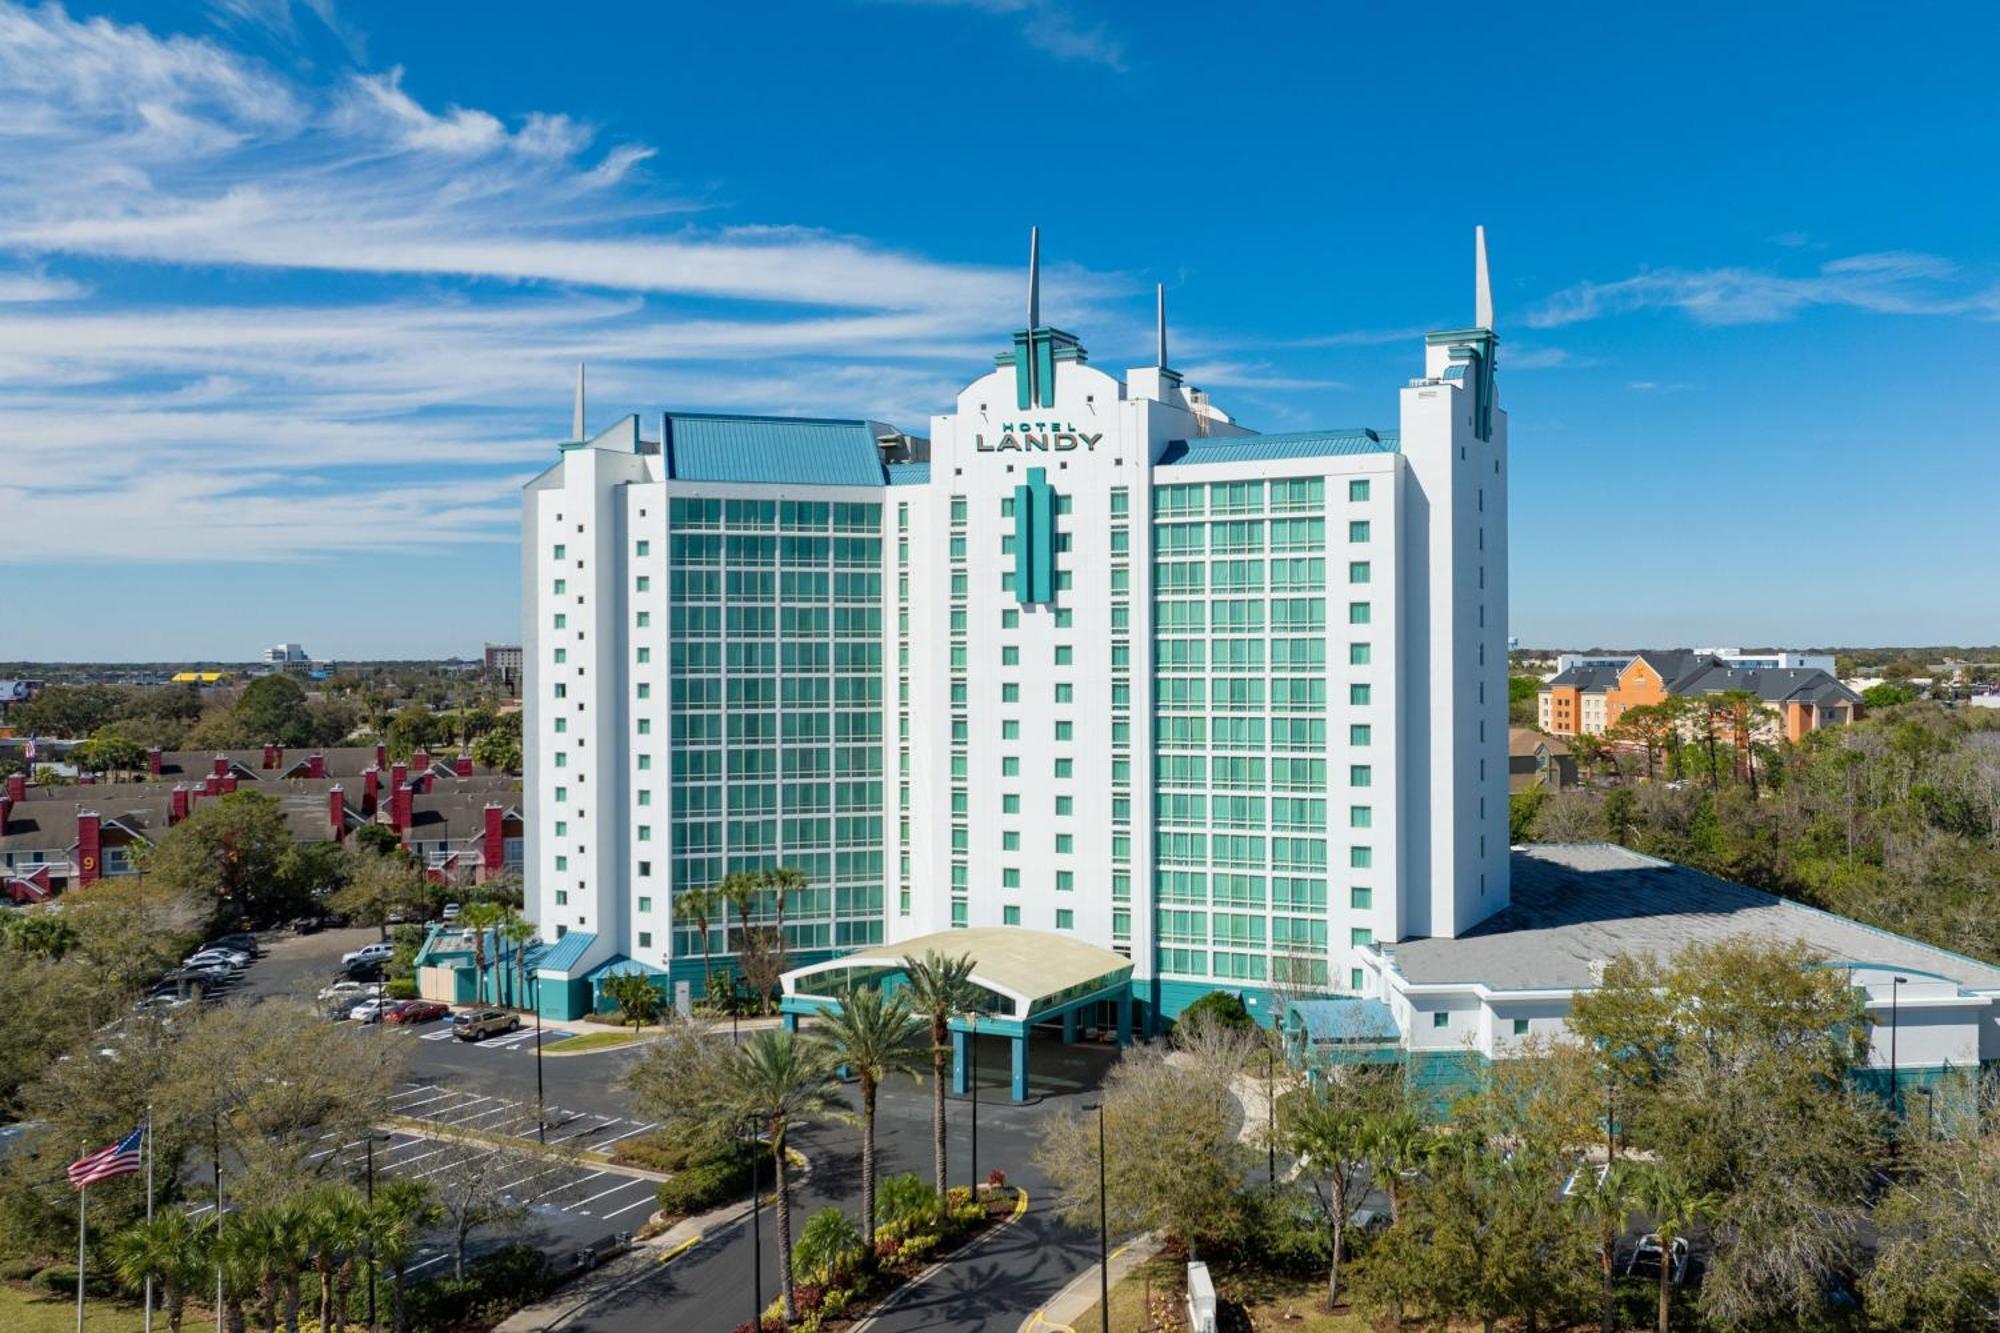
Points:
(1160, 321)
(576, 421)
(1482, 282)
(1034, 277)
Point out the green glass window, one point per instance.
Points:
(1010, 729)
(1360, 816)
(1010, 692)
(1065, 730)
(958, 913)
(1065, 655)
(1358, 613)
(1065, 617)
(1010, 766)
(562, 793)
(1010, 655)
(562, 725)
(645, 654)
(1355, 978)
(1361, 899)
(1010, 915)
(562, 897)
(562, 863)
(642, 584)
(1065, 805)
(562, 621)
(1360, 695)
(1010, 840)
(645, 548)
(645, 796)
(1121, 541)
(1358, 654)
(1065, 692)
(561, 551)
(562, 586)
(1010, 803)
(645, 761)
(958, 509)
(1065, 768)
(1010, 877)
(645, 833)
(1357, 571)
(1065, 919)
(1360, 858)
(1360, 775)
(562, 655)
(1121, 580)
(645, 619)
(1360, 733)
(1065, 881)
(1357, 530)
(1065, 843)
(1360, 935)
(1357, 490)
(1441, 1019)
(1121, 502)
(645, 726)
(1010, 619)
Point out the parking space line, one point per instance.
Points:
(409, 1161)
(456, 1100)
(329, 1152)
(434, 1259)
(502, 1108)
(600, 1147)
(567, 1184)
(533, 1175)
(448, 1165)
(412, 1092)
(650, 1198)
(594, 1129)
(442, 1096)
(607, 1193)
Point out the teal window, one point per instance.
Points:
(1441, 1019)
(562, 760)
(645, 619)
(1358, 654)
(562, 863)
(1010, 766)
(562, 897)
(1357, 490)
(1121, 921)
(1010, 840)
(562, 725)
(562, 586)
(1010, 692)
(1010, 729)
(645, 548)
(959, 584)
(1121, 503)
(1064, 617)
(645, 726)
(1360, 695)
(561, 551)
(958, 547)
(1010, 619)
(1360, 937)
(1357, 613)
(1010, 655)
(562, 621)
(1065, 655)
(1065, 805)
(645, 904)
(1065, 919)
(1360, 775)
(645, 939)
(1357, 571)
(562, 655)
(645, 761)
(1065, 881)
(1121, 541)
(1360, 816)
(1007, 506)
(1360, 858)
(958, 509)
(562, 794)
(1006, 581)
(1355, 978)
(1065, 730)
(958, 913)
(1065, 768)
(645, 654)
(645, 833)
(1010, 803)
(1360, 899)
(562, 828)
(1065, 843)
(1357, 530)
(645, 796)
(1121, 580)
(1010, 877)
(644, 584)
(1360, 733)
(1010, 915)
(1520, 1027)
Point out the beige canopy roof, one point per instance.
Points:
(1034, 970)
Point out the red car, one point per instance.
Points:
(418, 1011)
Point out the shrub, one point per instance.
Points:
(903, 1202)
(655, 1152)
(402, 988)
(827, 1244)
(19, 1270)
(708, 1181)
(1224, 1008)
(806, 1296)
(58, 1278)
(494, 1286)
(996, 1179)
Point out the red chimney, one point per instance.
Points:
(399, 773)
(399, 808)
(316, 765)
(211, 785)
(462, 766)
(370, 784)
(17, 786)
(89, 847)
(6, 807)
(153, 761)
(495, 859)
(420, 761)
(336, 811)
(270, 755)
(228, 782)
(221, 765)
(381, 754)
(177, 805)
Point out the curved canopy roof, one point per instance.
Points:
(1034, 971)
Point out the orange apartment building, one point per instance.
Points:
(1589, 700)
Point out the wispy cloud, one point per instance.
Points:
(1896, 283)
(1049, 26)
(248, 426)
(1253, 375)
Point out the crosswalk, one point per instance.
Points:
(512, 1041)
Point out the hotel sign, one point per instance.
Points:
(1040, 436)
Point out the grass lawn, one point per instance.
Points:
(24, 1310)
(1272, 1302)
(589, 1041)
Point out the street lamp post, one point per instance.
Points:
(371, 1238)
(1270, 1116)
(756, 1236)
(541, 1102)
(1896, 985)
(1103, 1230)
(972, 1082)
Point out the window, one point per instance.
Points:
(1357, 613)
(1065, 919)
(1360, 816)
(1360, 858)
(1440, 1020)
(562, 794)
(645, 654)
(1065, 654)
(562, 586)
(1520, 1027)
(1360, 775)
(1010, 729)
(1010, 840)
(1356, 978)
(1360, 733)
(644, 584)
(645, 690)
(1361, 899)
(1065, 843)
(645, 619)
(645, 870)
(1065, 805)
(645, 761)
(562, 621)
(645, 548)
(1010, 619)
(562, 897)
(1357, 531)
(645, 833)
(1065, 768)
(1010, 803)
(1010, 692)
(562, 863)
(645, 726)
(1357, 571)
(1010, 656)
(645, 939)
(1360, 695)
(1010, 877)
(1010, 916)
(1358, 654)
(1360, 937)
(561, 551)
(1065, 730)
(1357, 491)
(645, 904)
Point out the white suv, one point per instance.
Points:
(379, 952)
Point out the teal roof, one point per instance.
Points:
(1261, 448)
(803, 451)
(566, 952)
(909, 474)
(1343, 1020)
(621, 966)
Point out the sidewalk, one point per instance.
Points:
(578, 1027)
(1079, 1298)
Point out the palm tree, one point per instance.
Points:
(167, 1250)
(700, 902)
(1394, 1142)
(402, 1211)
(872, 1035)
(940, 989)
(1667, 1196)
(479, 918)
(258, 1248)
(1605, 1198)
(1331, 1136)
(780, 1080)
(517, 932)
(337, 1223)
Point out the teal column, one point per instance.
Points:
(791, 1023)
(1020, 1045)
(1125, 1019)
(1069, 1026)
(961, 1066)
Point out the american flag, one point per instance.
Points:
(120, 1159)
(31, 749)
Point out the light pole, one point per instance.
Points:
(541, 1104)
(756, 1234)
(1103, 1229)
(1896, 985)
(1271, 1116)
(972, 1082)
(371, 1236)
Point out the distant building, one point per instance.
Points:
(1588, 696)
(286, 654)
(199, 678)
(1536, 760)
(504, 660)
(1776, 659)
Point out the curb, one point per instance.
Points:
(1082, 1288)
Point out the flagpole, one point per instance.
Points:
(82, 1194)
(149, 1209)
(218, 1224)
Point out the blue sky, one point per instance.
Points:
(290, 293)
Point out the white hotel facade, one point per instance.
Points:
(1097, 661)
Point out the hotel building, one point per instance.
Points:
(1090, 658)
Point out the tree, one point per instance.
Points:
(379, 887)
(1172, 1162)
(1523, 700)
(1675, 1207)
(1395, 1142)
(1747, 717)
(827, 1245)
(469, 1192)
(1888, 694)
(479, 920)
(1221, 1006)
(1328, 1134)
(635, 997)
(273, 709)
(781, 1081)
(700, 902)
(337, 1222)
(872, 1037)
(1938, 1268)
(497, 750)
(226, 856)
(1604, 1197)
(1648, 726)
(109, 750)
(517, 933)
(67, 710)
(310, 874)
(403, 1210)
(940, 989)
(167, 1250)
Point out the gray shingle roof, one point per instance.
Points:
(1589, 679)
(1574, 906)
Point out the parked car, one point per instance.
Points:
(361, 969)
(419, 1011)
(1645, 1260)
(373, 1011)
(228, 957)
(378, 952)
(359, 990)
(242, 942)
(162, 1003)
(478, 1024)
(451, 911)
